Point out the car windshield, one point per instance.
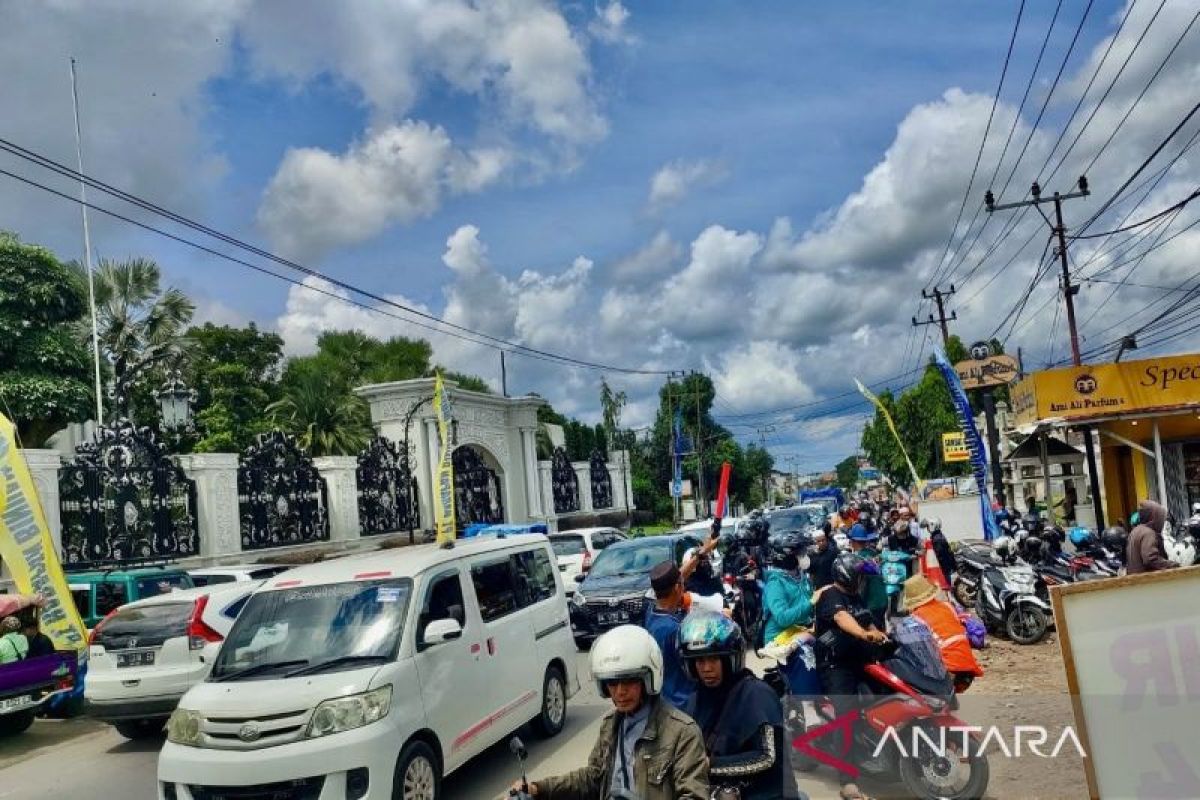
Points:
(631, 559)
(795, 519)
(154, 585)
(306, 625)
(567, 545)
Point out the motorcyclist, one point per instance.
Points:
(874, 590)
(844, 643)
(902, 540)
(787, 598)
(740, 716)
(671, 604)
(645, 745)
(824, 551)
(699, 575)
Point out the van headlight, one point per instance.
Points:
(578, 599)
(347, 713)
(184, 727)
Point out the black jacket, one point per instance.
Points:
(745, 737)
(820, 565)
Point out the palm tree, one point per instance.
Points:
(141, 326)
(325, 418)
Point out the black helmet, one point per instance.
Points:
(786, 549)
(1031, 522)
(1033, 546)
(1115, 538)
(848, 572)
(755, 530)
(706, 633)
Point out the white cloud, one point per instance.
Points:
(609, 24)
(675, 180)
(656, 259)
(318, 200)
(759, 375)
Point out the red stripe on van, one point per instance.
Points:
(363, 575)
(473, 731)
(283, 584)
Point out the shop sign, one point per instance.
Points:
(954, 447)
(990, 371)
(1098, 390)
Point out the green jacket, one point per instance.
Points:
(670, 762)
(13, 647)
(874, 594)
(788, 601)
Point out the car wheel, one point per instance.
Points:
(554, 703)
(136, 729)
(418, 776)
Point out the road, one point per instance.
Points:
(83, 759)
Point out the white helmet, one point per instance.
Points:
(627, 651)
(1003, 546)
(935, 523)
(1180, 550)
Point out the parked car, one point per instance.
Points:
(614, 591)
(349, 678)
(98, 592)
(575, 550)
(31, 684)
(232, 573)
(144, 656)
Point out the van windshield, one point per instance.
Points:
(283, 630)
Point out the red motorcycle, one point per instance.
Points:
(900, 732)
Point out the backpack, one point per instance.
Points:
(976, 630)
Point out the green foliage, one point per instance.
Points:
(45, 371)
(470, 383)
(579, 438)
(235, 373)
(323, 415)
(847, 472)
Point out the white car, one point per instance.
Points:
(575, 550)
(372, 676)
(146, 654)
(233, 573)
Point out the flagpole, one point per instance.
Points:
(87, 248)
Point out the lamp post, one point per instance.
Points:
(175, 399)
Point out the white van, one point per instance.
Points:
(344, 679)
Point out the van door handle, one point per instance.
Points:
(491, 642)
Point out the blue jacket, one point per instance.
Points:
(788, 602)
(664, 627)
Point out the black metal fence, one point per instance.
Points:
(477, 491)
(563, 482)
(602, 491)
(282, 498)
(387, 491)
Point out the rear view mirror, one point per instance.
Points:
(579, 577)
(442, 630)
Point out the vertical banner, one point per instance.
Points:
(979, 465)
(443, 500)
(677, 455)
(867, 393)
(723, 491)
(28, 550)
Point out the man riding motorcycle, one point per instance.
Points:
(740, 716)
(645, 745)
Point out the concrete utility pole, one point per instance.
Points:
(939, 297)
(762, 442)
(701, 504)
(1059, 229)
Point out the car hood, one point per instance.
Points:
(255, 697)
(615, 585)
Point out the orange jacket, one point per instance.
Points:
(950, 635)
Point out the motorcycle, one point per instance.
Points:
(1008, 600)
(971, 560)
(743, 597)
(894, 710)
(1180, 543)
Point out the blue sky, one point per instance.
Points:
(497, 165)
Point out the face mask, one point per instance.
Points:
(804, 563)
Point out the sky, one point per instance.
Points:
(757, 190)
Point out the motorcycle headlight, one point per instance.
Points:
(183, 727)
(347, 713)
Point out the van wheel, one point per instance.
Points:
(554, 703)
(137, 729)
(13, 724)
(417, 774)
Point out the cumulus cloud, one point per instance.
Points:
(658, 258)
(609, 24)
(758, 375)
(675, 180)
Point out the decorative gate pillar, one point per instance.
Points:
(340, 474)
(215, 475)
(583, 479)
(533, 483)
(43, 467)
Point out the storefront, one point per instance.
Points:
(1147, 413)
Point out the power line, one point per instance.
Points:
(1169, 210)
(497, 342)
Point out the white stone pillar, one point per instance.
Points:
(533, 494)
(418, 458)
(43, 468)
(341, 480)
(217, 515)
(546, 488)
(583, 480)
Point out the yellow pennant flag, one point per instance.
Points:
(867, 393)
(443, 499)
(28, 550)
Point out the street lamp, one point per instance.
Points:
(175, 401)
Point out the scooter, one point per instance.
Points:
(972, 559)
(1008, 600)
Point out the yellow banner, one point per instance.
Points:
(867, 393)
(28, 550)
(1099, 390)
(443, 500)
(954, 447)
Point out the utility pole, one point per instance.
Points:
(939, 297)
(675, 496)
(702, 508)
(503, 376)
(762, 442)
(1059, 229)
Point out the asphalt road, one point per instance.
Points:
(81, 759)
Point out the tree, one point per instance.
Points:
(141, 327)
(470, 383)
(45, 371)
(324, 417)
(611, 405)
(235, 372)
(847, 472)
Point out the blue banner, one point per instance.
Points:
(979, 464)
(677, 455)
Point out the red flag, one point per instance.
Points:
(723, 491)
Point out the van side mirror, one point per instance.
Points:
(579, 577)
(442, 630)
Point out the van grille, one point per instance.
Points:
(300, 789)
(253, 733)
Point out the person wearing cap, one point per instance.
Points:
(671, 604)
(921, 601)
(863, 542)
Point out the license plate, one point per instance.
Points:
(15, 703)
(140, 659)
(611, 617)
